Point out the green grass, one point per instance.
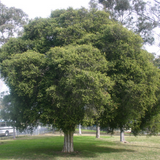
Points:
(86, 147)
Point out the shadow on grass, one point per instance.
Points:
(50, 148)
(88, 152)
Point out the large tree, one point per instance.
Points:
(54, 85)
(57, 87)
(11, 22)
(58, 72)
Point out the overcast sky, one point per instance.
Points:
(43, 8)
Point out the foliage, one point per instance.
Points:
(30, 74)
(142, 16)
(77, 64)
(11, 22)
(150, 123)
(130, 67)
(58, 85)
(137, 82)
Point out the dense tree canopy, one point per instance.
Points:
(56, 87)
(77, 64)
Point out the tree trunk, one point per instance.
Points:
(122, 134)
(14, 133)
(80, 129)
(97, 131)
(68, 142)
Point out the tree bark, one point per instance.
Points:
(80, 129)
(122, 135)
(97, 131)
(14, 133)
(68, 142)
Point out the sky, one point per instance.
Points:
(43, 8)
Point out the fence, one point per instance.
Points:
(35, 131)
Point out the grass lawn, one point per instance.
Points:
(86, 147)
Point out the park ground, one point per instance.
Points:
(48, 147)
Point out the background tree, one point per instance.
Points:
(150, 124)
(136, 79)
(133, 93)
(11, 22)
(141, 16)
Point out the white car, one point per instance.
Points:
(5, 129)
